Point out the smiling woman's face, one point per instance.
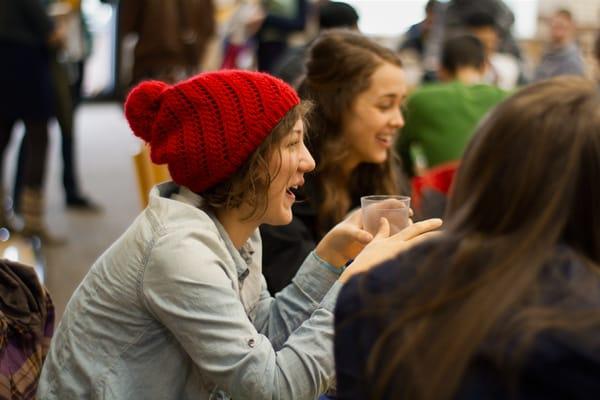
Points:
(287, 166)
(375, 116)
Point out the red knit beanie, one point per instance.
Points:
(206, 127)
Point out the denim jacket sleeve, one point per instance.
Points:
(186, 287)
(277, 317)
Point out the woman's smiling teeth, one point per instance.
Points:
(385, 140)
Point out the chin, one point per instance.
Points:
(282, 219)
(378, 158)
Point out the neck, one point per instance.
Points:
(238, 229)
(469, 76)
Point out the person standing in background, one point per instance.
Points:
(283, 17)
(563, 56)
(416, 36)
(67, 69)
(26, 36)
(503, 69)
(172, 36)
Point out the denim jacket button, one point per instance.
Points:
(251, 343)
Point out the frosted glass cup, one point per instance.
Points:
(395, 209)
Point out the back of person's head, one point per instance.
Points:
(483, 25)
(479, 20)
(216, 131)
(462, 51)
(339, 68)
(337, 14)
(524, 206)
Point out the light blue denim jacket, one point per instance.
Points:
(173, 311)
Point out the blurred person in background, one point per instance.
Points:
(441, 117)
(282, 18)
(26, 36)
(562, 55)
(417, 35)
(503, 69)
(458, 11)
(332, 14)
(172, 36)
(357, 87)
(506, 302)
(67, 72)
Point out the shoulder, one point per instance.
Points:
(490, 92)
(431, 96)
(187, 243)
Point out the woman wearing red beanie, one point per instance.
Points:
(177, 308)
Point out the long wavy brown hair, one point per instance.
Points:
(339, 68)
(528, 188)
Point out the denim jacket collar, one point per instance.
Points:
(243, 257)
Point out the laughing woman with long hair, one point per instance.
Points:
(506, 303)
(357, 87)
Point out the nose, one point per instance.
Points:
(397, 120)
(307, 162)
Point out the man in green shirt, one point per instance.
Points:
(440, 118)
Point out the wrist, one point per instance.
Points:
(331, 257)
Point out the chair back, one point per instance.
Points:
(148, 174)
(430, 190)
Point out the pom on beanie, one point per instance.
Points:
(206, 127)
(142, 105)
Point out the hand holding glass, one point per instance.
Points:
(396, 209)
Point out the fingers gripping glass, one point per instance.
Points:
(396, 209)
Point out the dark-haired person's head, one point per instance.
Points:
(460, 53)
(337, 14)
(483, 25)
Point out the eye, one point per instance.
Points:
(293, 143)
(385, 107)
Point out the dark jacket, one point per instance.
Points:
(556, 366)
(24, 22)
(163, 27)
